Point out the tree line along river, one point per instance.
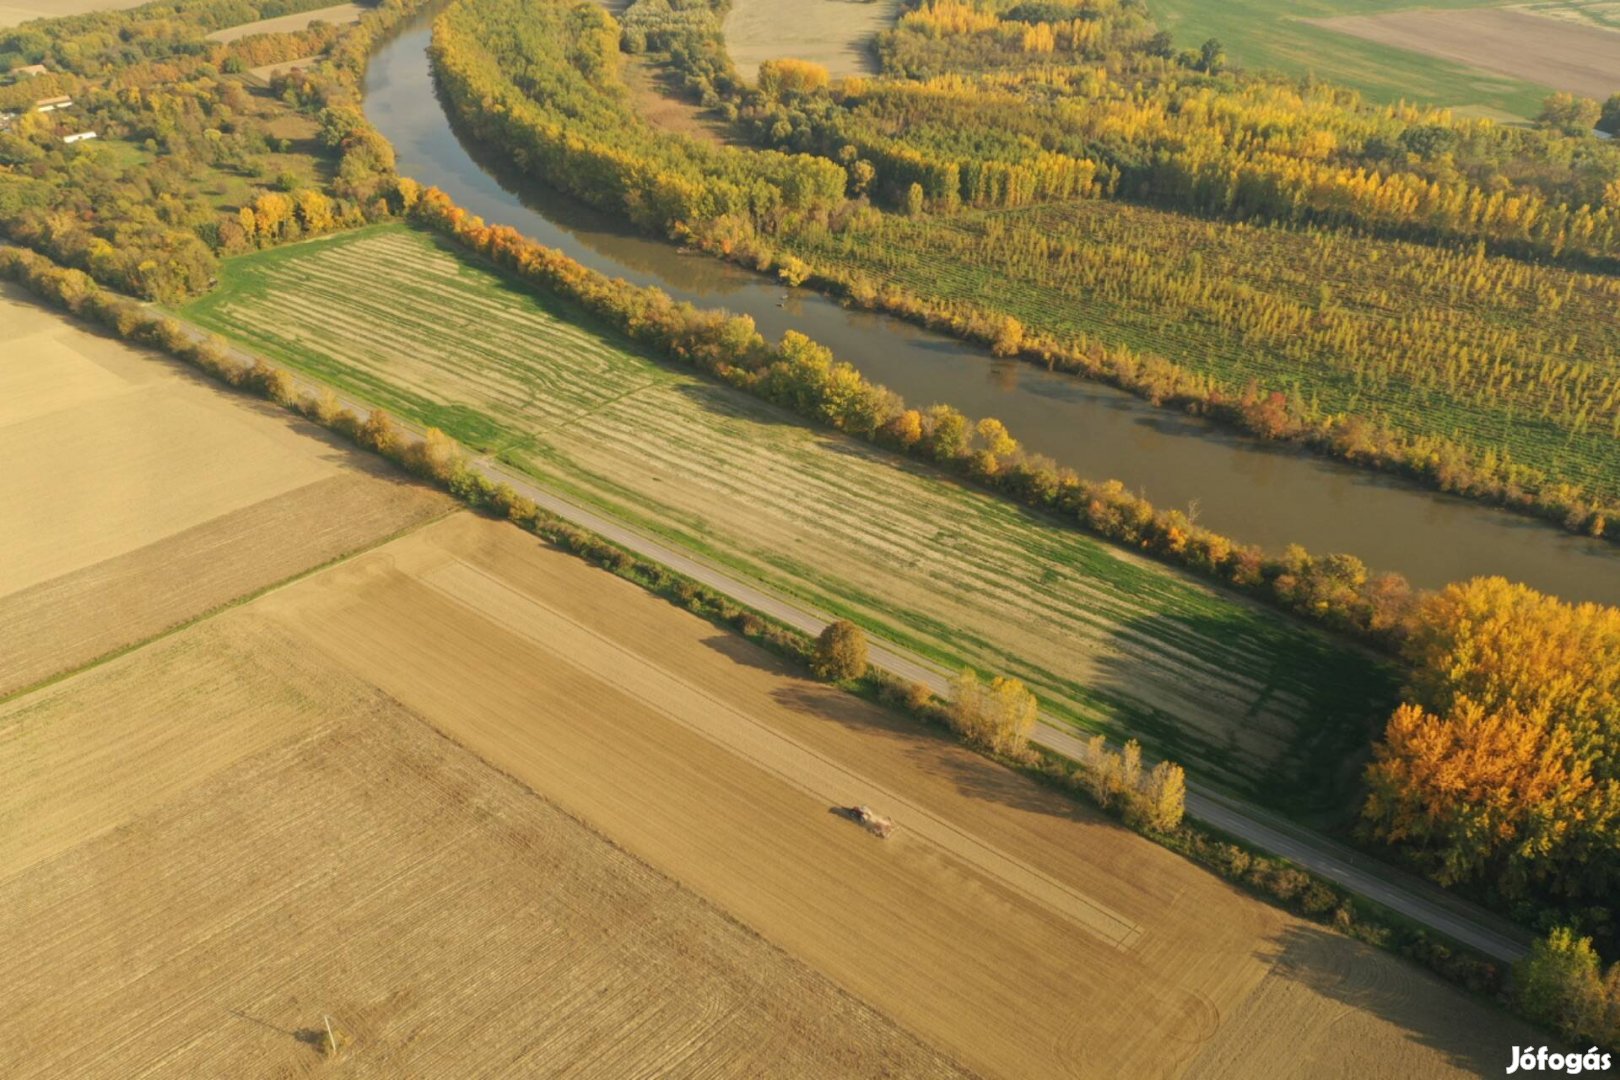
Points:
(1248, 490)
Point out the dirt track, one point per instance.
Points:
(1564, 55)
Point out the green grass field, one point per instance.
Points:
(1242, 697)
(1272, 34)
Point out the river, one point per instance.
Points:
(1251, 491)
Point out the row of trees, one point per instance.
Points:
(804, 376)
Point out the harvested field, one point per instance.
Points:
(834, 33)
(336, 15)
(150, 496)
(1237, 694)
(1560, 53)
(1001, 923)
(343, 860)
(268, 772)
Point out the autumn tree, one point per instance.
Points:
(783, 77)
(998, 716)
(1474, 789)
(840, 652)
(1163, 798)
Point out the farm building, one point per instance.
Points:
(28, 71)
(53, 104)
(81, 136)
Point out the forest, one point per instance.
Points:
(192, 162)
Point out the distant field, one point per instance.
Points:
(143, 496)
(1581, 57)
(1277, 34)
(834, 33)
(337, 15)
(12, 14)
(256, 818)
(1240, 695)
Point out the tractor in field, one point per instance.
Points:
(868, 819)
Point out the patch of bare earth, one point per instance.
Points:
(1562, 54)
(327, 855)
(143, 496)
(663, 107)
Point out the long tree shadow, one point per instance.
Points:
(1473, 1034)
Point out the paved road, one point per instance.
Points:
(1411, 896)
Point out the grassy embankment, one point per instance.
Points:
(1242, 697)
(1274, 34)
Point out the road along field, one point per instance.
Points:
(1560, 53)
(268, 772)
(834, 33)
(1237, 694)
(140, 496)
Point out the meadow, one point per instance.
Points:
(1276, 34)
(1242, 697)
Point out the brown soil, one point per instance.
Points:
(1565, 55)
(661, 105)
(150, 496)
(1001, 923)
(330, 856)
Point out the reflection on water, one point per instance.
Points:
(1253, 492)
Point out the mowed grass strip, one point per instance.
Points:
(1244, 698)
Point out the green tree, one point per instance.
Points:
(1570, 114)
(1560, 983)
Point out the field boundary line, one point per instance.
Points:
(220, 609)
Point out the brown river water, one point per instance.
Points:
(1248, 490)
